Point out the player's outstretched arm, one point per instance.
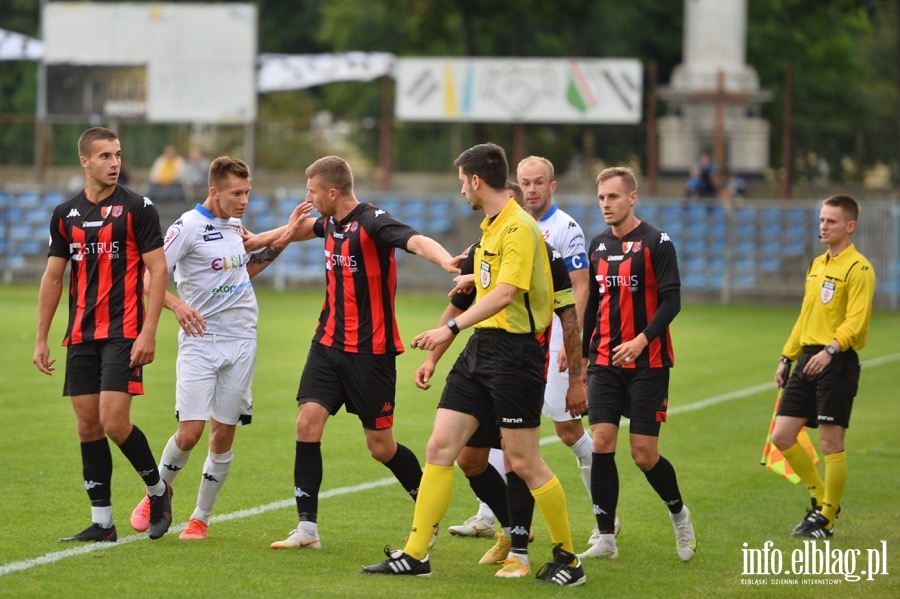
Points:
(431, 250)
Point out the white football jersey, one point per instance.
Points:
(565, 235)
(210, 263)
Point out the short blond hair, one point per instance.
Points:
(624, 172)
(334, 171)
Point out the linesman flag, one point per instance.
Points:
(772, 458)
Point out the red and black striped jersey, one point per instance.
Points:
(361, 281)
(631, 277)
(103, 243)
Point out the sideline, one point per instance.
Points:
(56, 556)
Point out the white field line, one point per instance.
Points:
(56, 556)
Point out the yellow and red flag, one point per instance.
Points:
(772, 458)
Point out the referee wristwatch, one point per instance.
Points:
(831, 351)
(451, 324)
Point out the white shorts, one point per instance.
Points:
(214, 375)
(555, 392)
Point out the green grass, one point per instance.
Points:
(715, 451)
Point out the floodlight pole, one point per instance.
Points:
(40, 124)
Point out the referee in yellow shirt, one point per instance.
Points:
(833, 324)
(500, 375)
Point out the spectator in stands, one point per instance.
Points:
(196, 172)
(733, 190)
(693, 183)
(709, 177)
(167, 175)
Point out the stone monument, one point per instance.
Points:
(713, 102)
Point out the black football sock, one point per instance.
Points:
(521, 511)
(97, 467)
(490, 488)
(307, 479)
(405, 467)
(136, 448)
(605, 490)
(663, 480)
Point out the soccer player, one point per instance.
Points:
(499, 376)
(352, 359)
(635, 296)
(833, 324)
(109, 236)
(217, 310)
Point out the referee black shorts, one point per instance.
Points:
(499, 379)
(825, 398)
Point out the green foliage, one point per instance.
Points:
(846, 91)
(715, 449)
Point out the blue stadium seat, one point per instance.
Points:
(670, 217)
(648, 212)
(769, 264)
(28, 199)
(52, 199)
(440, 216)
(389, 205)
(37, 216)
(263, 221)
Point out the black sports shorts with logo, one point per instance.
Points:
(97, 366)
(641, 394)
(364, 383)
(499, 379)
(825, 398)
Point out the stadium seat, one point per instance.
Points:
(28, 199)
(769, 264)
(51, 199)
(648, 212)
(670, 217)
(389, 205)
(440, 216)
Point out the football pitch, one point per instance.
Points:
(721, 401)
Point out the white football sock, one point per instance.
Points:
(215, 471)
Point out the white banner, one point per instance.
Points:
(532, 90)
(15, 46)
(279, 72)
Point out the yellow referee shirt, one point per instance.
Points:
(512, 251)
(837, 303)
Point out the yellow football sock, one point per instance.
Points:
(432, 500)
(551, 499)
(835, 478)
(802, 463)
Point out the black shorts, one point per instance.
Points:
(826, 398)
(364, 383)
(97, 366)
(641, 394)
(499, 379)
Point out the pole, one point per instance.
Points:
(787, 163)
(720, 121)
(385, 134)
(518, 142)
(652, 156)
(40, 124)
